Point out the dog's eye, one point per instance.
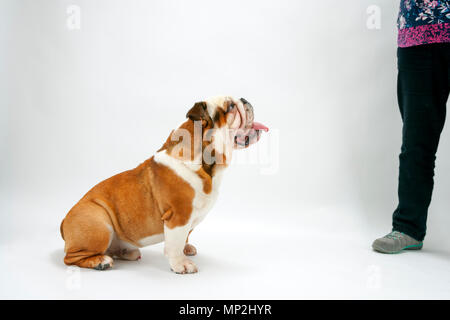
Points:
(231, 107)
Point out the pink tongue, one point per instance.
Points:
(259, 126)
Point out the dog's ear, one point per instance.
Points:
(198, 112)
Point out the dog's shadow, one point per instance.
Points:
(154, 261)
(57, 258)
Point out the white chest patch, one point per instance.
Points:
(202, 201)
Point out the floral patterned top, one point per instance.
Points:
(423, 21)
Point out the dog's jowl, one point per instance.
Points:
(165, 197)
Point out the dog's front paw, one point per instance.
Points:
(183, 266)
(189, 250)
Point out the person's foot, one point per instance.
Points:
(396, 241)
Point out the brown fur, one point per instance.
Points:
(220, 117)
(136, 203)
(207, 180)
(129, 204)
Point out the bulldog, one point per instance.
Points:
(165, 197)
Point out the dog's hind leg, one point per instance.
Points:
(88, 234)
(189, 249)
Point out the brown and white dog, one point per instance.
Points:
(164, 198)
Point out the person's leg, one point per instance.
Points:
(423, 88)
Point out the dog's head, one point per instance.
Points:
(234, 115)
(215, 127)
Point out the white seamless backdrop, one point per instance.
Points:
(79, 105)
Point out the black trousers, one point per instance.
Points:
(422, 87)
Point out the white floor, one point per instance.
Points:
(302, 257)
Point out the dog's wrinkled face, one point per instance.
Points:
(236, 116)
(215, 127)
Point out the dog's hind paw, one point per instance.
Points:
(107, 263)
(189, 250)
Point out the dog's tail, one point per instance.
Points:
(61, 229)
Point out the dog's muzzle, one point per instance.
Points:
(252, 130)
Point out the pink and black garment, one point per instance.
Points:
(423, 21)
